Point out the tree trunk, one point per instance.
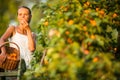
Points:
(117, 54)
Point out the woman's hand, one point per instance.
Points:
(25, 24)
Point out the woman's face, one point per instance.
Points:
(23, 14)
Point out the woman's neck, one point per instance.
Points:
(21, 30)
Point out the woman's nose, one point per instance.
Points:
(23, 16)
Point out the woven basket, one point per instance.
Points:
(12, 58)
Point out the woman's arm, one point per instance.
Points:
(31, 40)
(5, 36)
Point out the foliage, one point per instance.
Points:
(80, 37)
(7, 13)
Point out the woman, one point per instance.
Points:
(21, 35)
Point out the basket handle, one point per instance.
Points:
(8, 43)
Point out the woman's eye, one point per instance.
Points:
(19, 14)
(25, 14)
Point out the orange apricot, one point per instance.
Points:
(86, 11)
(88, 3)
(92, 36)
(102, 12)
(69, 40)
(95, 59)
(93, 22)
(84, 28)
(70, 22)
(67, 32)
(45, 23)
(86, 51)
(114, 15)
(97, 9)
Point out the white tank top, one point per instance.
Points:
(22, 41)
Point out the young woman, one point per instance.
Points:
(21, 35)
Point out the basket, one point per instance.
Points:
(12, 58)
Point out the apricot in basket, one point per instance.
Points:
(12, 56)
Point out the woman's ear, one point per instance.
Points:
(30, 18)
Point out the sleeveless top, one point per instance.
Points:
(22, 41)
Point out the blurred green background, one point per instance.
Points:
(80, 38)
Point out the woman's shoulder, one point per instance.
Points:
(12, 29)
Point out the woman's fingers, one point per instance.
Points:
(24, 23)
